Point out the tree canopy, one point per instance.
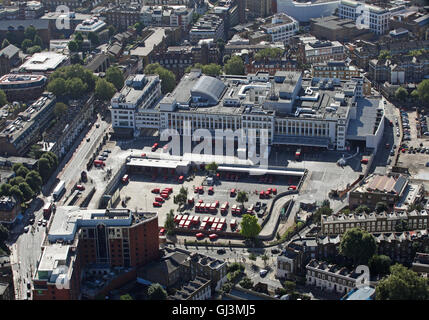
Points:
(60, 109)
(235, 65)
(379, 264)
(3, 98)
(423, 91)
(269, 53)
(156, 292)
(402, 284)
(242, 197)
(250, 227)
(104, 90)
(168, 79)
(401, 94)
(114, 75)
(358, 245)
(77, 81)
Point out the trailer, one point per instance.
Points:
(59, 189)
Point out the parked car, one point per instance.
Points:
(221, 251)
(80, 187)
(263, 272)
(26, 229)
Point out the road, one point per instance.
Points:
(71, 172)
(25, 253)
(389, 137)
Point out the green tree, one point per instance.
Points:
(401, 94)
(16, 181)
(93, 37)
(22, 172)
(139, 27)
(379, 264)
(402, 284)
(34, 180)
(17, 193)
(5, 43)
(44, 167)
(250, 227)
(212, 69)
(16, 166)
(30, 32)
(60, 109)
(156, 292)
(53, 159)
(3, 98)
(384, 55)
(57, 87)
(75, 87)
(37, 41)
(358, 245)
(114, 75)
(414, 95)
(168, 79)
(363, 208)
(27, 192)
(322, 211)
(104, 90)
(246, 283)
(242, 197)
(423, 91)
(269, 53)
(78, 36)
(34, 49)
(381, 207)
(289, 286)
(235, 65)
(126, 297)
(169, 224)
(73, 46)
(26, 43)
(181, 198)
(212, 166)
(5, 189)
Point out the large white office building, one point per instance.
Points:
(281, 28)
(372, 17)
(295, 111)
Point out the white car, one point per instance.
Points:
(263, 272)
(27, 228)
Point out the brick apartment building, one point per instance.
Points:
(177, 267)
(9, 209)
(9, 59)
(178, 58)
(378, 188)
(81, 239)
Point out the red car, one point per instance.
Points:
(162, 232)
(213, 236)
(159, 199)
(80, 187)
(292, 188)
(156, 190)
(157, 204)
(199, 235)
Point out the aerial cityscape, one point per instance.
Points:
(217, 150)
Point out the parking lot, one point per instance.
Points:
(414, 151)
(138, 191)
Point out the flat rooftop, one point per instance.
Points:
(150, 42)
(68, 219)
(44, 61)
(25, 119)
(368, 112)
